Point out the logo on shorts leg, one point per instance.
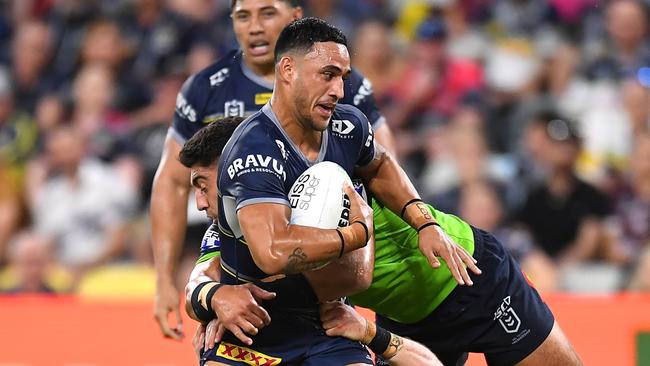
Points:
(507, 316)
(246, 355)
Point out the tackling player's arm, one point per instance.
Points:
(168, 212)
(235, 307)
(342, 320)
(279, 247)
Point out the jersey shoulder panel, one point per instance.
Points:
(252, 166)
(219, 72)
(349, 123)
(355, 117)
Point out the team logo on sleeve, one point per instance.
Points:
(364, 90)
(218, 77)
(246, 355)
(233, 108)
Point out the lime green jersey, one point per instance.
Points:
(405, 287)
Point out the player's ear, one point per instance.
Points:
(297, 13)
(286, 68)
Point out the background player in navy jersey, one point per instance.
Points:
(236, 85)
(259, 165)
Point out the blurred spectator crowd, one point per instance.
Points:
(528, 118)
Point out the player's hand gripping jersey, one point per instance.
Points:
(229, 88)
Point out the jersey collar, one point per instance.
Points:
(252, 76)
(268, 111)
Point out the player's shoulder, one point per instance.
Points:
(349, 112)
(254, 149)
(218, 73)
(252, 135)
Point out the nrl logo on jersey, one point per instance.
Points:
(218, 77)
(342, 126)
(233, 108)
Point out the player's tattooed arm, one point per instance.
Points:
(297, 262)
(274, 242)
(394, 346)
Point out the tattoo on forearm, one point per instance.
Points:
(395, 345)
(424, 210)
(297, 262)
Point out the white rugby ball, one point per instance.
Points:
(317, 198)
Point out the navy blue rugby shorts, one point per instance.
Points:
(501, 315)
(294, 337)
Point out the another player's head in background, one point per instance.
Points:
(201, 154)
(257, 25)
(311, 63)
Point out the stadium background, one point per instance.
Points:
(88, 88)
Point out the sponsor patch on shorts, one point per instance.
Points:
(245, 355)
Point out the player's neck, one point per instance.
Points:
(305, 138)
(265, 71)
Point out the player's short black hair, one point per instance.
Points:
(292, 3)
(205, 147)
(301, 35)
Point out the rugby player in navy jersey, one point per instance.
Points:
(242, 308)
(256, 170)
(239, 84)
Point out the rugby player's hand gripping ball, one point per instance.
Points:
(323, 197)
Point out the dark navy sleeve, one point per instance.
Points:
(362, 97)
(211, 244)
(190, 103)
(367, 152)
(253, 173)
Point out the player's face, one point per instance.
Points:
(318, 84)
(257, 25)
(204, 181)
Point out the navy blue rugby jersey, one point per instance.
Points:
(259, 164)
(229, 88)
